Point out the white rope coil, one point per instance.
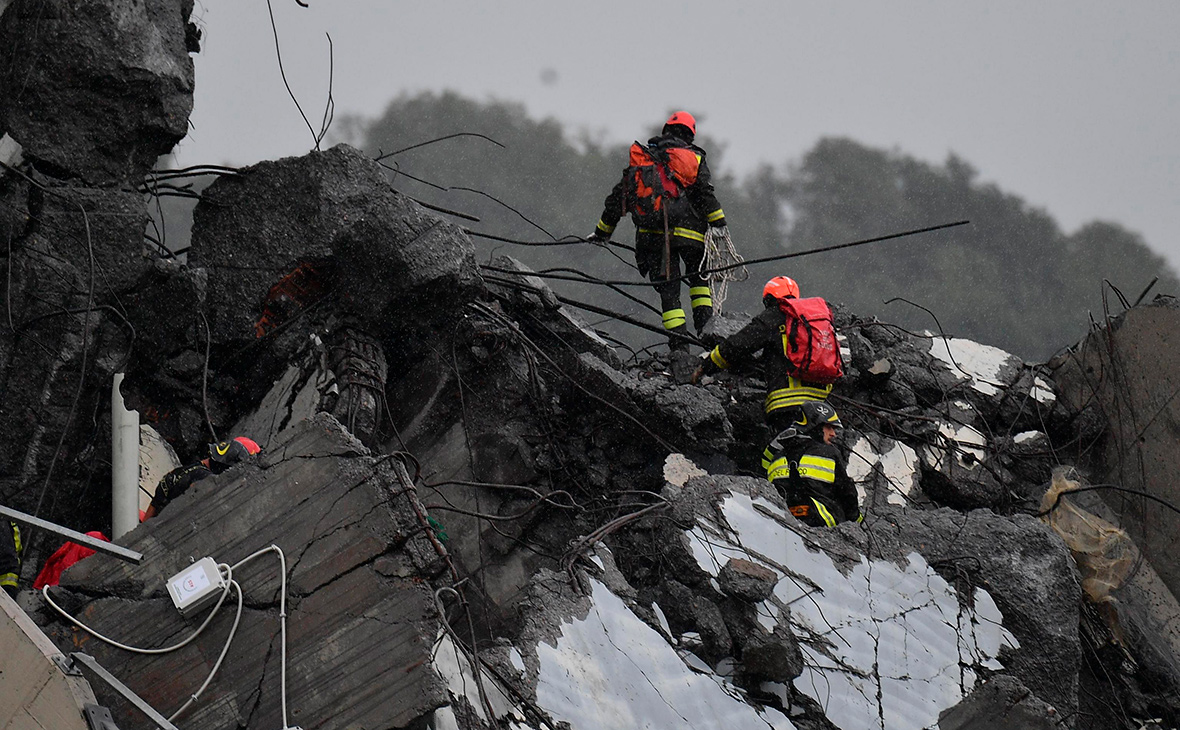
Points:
(720, 252)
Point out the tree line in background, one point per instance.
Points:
(1012, 278)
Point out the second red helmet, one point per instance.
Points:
(684, 119)
(781, 287)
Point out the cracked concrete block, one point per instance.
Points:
(773, 657)
(97, 90)
(362, 620)
(685, 607)
(391, 264)
(723, 325)
(746, 580)
(1001, 703)
(1117, 381)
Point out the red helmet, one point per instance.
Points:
(781, 287)
(684, 119)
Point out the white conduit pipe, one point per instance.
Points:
(124, 464)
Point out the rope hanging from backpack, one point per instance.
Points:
(719, 254)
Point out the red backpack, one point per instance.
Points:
(809, 340)
(655, 173)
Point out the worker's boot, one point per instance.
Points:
(701, 316)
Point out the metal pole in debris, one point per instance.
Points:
(124, 464)
(72, 535)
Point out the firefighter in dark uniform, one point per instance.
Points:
(676, 234)
(10, 549)
(222, 456)
(785, 393)
(809, 472)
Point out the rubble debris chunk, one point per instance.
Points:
(96, 90)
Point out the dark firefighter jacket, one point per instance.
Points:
(9, 556)
(177, 482)
(766, 332)
(811, 476)
(688, 222)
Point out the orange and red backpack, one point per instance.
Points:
(655, 173)
(809, 340)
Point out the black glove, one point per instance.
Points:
(599, 238)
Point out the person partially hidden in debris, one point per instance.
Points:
(800, 353)
(808, 471)
(10, 549)
(668, 190)
(222, 456)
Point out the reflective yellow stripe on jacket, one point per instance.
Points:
(795, 394)
(829, 520)
(780, 468)
(819, 468)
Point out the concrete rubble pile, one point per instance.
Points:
(489, 517)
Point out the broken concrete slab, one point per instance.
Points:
(359, 639)
(1001, 702)
(1117, 375)
(96, 90)
(1025, 581)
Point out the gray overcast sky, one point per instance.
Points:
(1072, 104)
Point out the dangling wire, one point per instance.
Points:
(720, 254)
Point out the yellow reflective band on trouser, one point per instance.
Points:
(8, 580)
(795, 396)
(719, 361)
(604, 227)
(715, 215)
(682, 232)
(818, 468)
(674, 318)
(16, 537)
(780, 468)
(823, 512)
(701, 296)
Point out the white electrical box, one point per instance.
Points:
(196, 587)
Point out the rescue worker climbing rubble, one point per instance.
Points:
(667, 188)
(808, 470)
(768, 332)
(222, 456)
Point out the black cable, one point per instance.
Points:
(590, 279)
(560, 242)
(751, 262)
(383, 156)
(597, 310)
(448, 211)
(1146, 289)
(330, 102)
